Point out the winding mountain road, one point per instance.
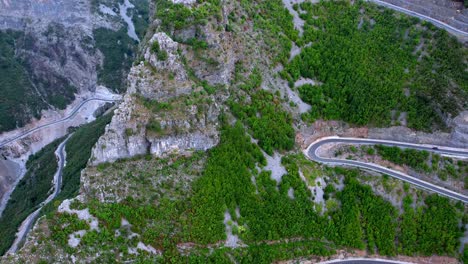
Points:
(363, 261)
(312, 153)
(70, 116)
(27, 224)
(434, 21)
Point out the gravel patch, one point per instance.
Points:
(274, 165)
(291, 193)
(232, 240)
(123, 13)
(74, 239)
(82, 214)
(293, 96)
(106, 10)
(298, 22)
(147, 248)
(303, 81)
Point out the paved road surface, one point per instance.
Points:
(434, 21)
(311, 152)
(72, 114)
(363, 261)
(27, 224)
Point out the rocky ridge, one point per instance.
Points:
(183, 125)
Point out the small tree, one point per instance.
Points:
(155, 48)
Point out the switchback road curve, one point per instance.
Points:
(434, 21)
(312, 153)
(70, 116)
(363, 261)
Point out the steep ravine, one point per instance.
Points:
(27, 224)
(60, 71)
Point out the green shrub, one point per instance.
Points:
(154, 126)
(162, 55)
(155, 47)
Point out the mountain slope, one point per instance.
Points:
(200, 161)
(45, 67)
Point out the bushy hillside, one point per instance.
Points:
(200, 163)
(371, 61)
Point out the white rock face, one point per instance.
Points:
(197, 141)
(460, 132)
(274, 165)
(232, 240)
(115, 144)
(172, 63)
(83, 214)
(184, 127)
(74, 239)
(157, 88)
(185, 2)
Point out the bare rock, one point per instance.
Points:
(172, 62)
(460, 132)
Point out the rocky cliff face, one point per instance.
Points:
(167, 107)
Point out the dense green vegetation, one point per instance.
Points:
(218, 189)
(260, 209)
(276, 26)
(364, 220)
(178, 16)
(365, 56)
(29, 193)
(411, 157)
(364, 217)
(432, 229)
(118, 50)
(264, 115)
(423, 161)
(14, 85)
(157, 231)
(426, 230)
